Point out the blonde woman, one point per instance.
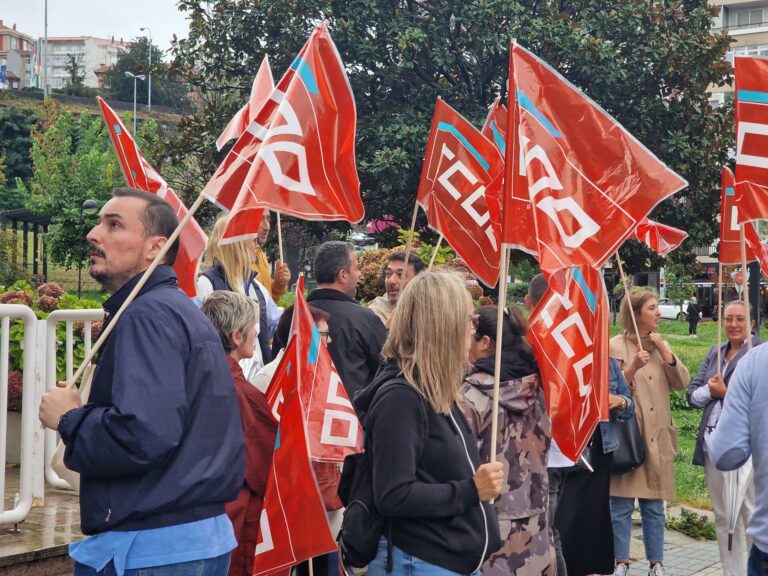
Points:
(228, 267)
(652, 370)
(427, 479)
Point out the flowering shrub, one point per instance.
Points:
(15, 382)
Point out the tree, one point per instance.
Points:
(15, 126)
(73, 161)
(75, 74)
(647, 63)
(165, 91)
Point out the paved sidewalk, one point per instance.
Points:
(683, 556)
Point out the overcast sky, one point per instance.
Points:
(102, 18)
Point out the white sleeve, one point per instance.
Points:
(204, 287)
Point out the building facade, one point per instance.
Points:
(17, 55)
(92, 55)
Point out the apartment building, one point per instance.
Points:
(16, 54)
(92, 54)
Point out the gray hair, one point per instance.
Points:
(330, 258)
(230, 312)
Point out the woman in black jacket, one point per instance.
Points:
(427, 479)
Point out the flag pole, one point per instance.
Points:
(745, 284)
(500, 308)
(132, 295)
(626, 295)
(719, 314)
(280, 237)
(409, 243)
(434, 252)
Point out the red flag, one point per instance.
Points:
(579, 182)
(298, 155)
(495, 126)
(293, 526)
(459, 190)
(659, 237)
(569, 334)
(332, 425)
(140, 174)
(262, 87)
(751, 137)
(729, 249)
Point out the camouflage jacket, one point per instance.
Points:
(523, 439)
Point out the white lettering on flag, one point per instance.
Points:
(266, 543)
(745, 128)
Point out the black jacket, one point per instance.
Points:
(423, 463)
(159, 442)
(357, 336)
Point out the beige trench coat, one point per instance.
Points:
(655, 479)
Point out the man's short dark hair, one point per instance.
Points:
(537, 288)
(415, 261)
(158, 218)
(330, 258)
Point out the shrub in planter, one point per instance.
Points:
(15, 385)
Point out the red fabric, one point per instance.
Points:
(459, 190)
(569, 334)
(262, 87)
(298, 155)
(578, 183)
(659, 237)
(751, 75)
(495, 126)
(259, 431)
(140, 174)
(293, 524)
(729, 249)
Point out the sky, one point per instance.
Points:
(101, 18)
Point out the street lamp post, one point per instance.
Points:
(89, 207)
(149, 91)
(135, 77)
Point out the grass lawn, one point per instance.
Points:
(691, 485)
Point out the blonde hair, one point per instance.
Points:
(637, 297)
(235, 257)
(428, 337)
(230, 312)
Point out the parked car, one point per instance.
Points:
(671, 310)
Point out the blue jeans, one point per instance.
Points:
(758, 562)
(403, 564)
(208, 567)
(652, 514)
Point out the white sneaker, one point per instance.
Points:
(622, 568)
(657, 570)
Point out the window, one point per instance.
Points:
(747, 17)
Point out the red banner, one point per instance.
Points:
(459, 190)
(298, 155)
(578, 183)
(332, 425)
(751, 107)
(659, 237)
(140, 174)
(262, 87)
(293, 525)
(729, 248)
(569, 334)
(495, 126)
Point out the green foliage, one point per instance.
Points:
(10, 268)
(679, 283)
(75, 73)
(524, 270)
(647, 63)
(15, 143)
(694, 525)
(517, 290)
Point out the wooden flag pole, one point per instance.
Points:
(719, 314)
(501, 307)
(626, 295)
(745, 285)
(132, 295)
(434, 252)
(280, 238)
(409, 244)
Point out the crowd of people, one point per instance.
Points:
(174, 443)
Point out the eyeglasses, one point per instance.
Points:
(324, 335)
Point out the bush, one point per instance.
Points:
(694, 525)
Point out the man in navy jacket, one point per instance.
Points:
(159, 444)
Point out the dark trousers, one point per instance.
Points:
(556, 477)
(692, 322)
(758, 562)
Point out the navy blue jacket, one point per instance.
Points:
(159, 442)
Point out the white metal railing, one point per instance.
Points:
(29, 423)
(69, 317)
(40, 346)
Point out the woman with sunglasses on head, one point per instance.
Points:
(522, 443)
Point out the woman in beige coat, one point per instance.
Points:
(651, 370)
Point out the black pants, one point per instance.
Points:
(692, 322)
(758, 562)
